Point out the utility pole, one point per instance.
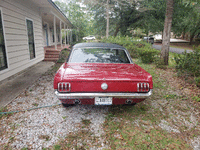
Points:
(107, 16)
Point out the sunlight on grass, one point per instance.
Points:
(126, 134)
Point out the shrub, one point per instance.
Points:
(189, 63)
(149, 55)
(197, 81)
(133, 45)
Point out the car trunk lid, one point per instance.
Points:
(88, 77)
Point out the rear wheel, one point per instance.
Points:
(132, 104)
(67, 105)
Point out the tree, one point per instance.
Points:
(118, 15)
(77, 16)
(167, 32)
(186, 20)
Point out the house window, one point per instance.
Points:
(31, 43)
(3, 61)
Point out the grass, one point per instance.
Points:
(138, 127)
(35, 104)
(125, 134)
(86, 122)
(82, 139)
(4, 109)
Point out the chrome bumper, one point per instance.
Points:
(93, 95)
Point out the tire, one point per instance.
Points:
(67, 105)
(132, 104)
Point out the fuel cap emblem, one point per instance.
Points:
(104, 86)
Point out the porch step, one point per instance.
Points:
(52, 51)
(51, 55)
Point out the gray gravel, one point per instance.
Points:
(26, 129)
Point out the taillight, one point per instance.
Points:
(143, 87)
(64, 87)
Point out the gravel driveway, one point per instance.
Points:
(41, 128)
(172, 49)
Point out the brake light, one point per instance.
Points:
(64, 87)
(143, 87)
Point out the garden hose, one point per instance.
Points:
(11, 112)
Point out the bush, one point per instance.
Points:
(197, 81)
(189, 63)
(149, 55)
(135, 47)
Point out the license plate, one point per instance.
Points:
(103, 100)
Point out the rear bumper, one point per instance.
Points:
(93, 95)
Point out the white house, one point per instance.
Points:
(28, 30)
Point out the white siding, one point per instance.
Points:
(14, 15)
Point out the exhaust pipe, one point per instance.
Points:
(128, 101)
(76, 102)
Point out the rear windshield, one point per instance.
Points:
(98, 55)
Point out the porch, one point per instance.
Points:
(57, 32)
(52, 54)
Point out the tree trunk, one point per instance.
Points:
(116, 30)
(167, 32)
(183, 34)
(192, 35)
(191, 39)
(107, 16)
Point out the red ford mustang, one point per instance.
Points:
(101, 74)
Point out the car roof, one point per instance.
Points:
(104, 45)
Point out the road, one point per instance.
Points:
(172, 49)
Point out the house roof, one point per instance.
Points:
(48, 10)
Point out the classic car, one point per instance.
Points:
(101, 74)
(90, 37)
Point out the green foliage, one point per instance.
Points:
(3, 109)
(186, 19)
(77, 16)
(57, 147)
(63, 56)
(196, 98)
(123, 14)
(197, 81)
(153, 16)
(149, 55)
(135, 47)
(189, 63)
